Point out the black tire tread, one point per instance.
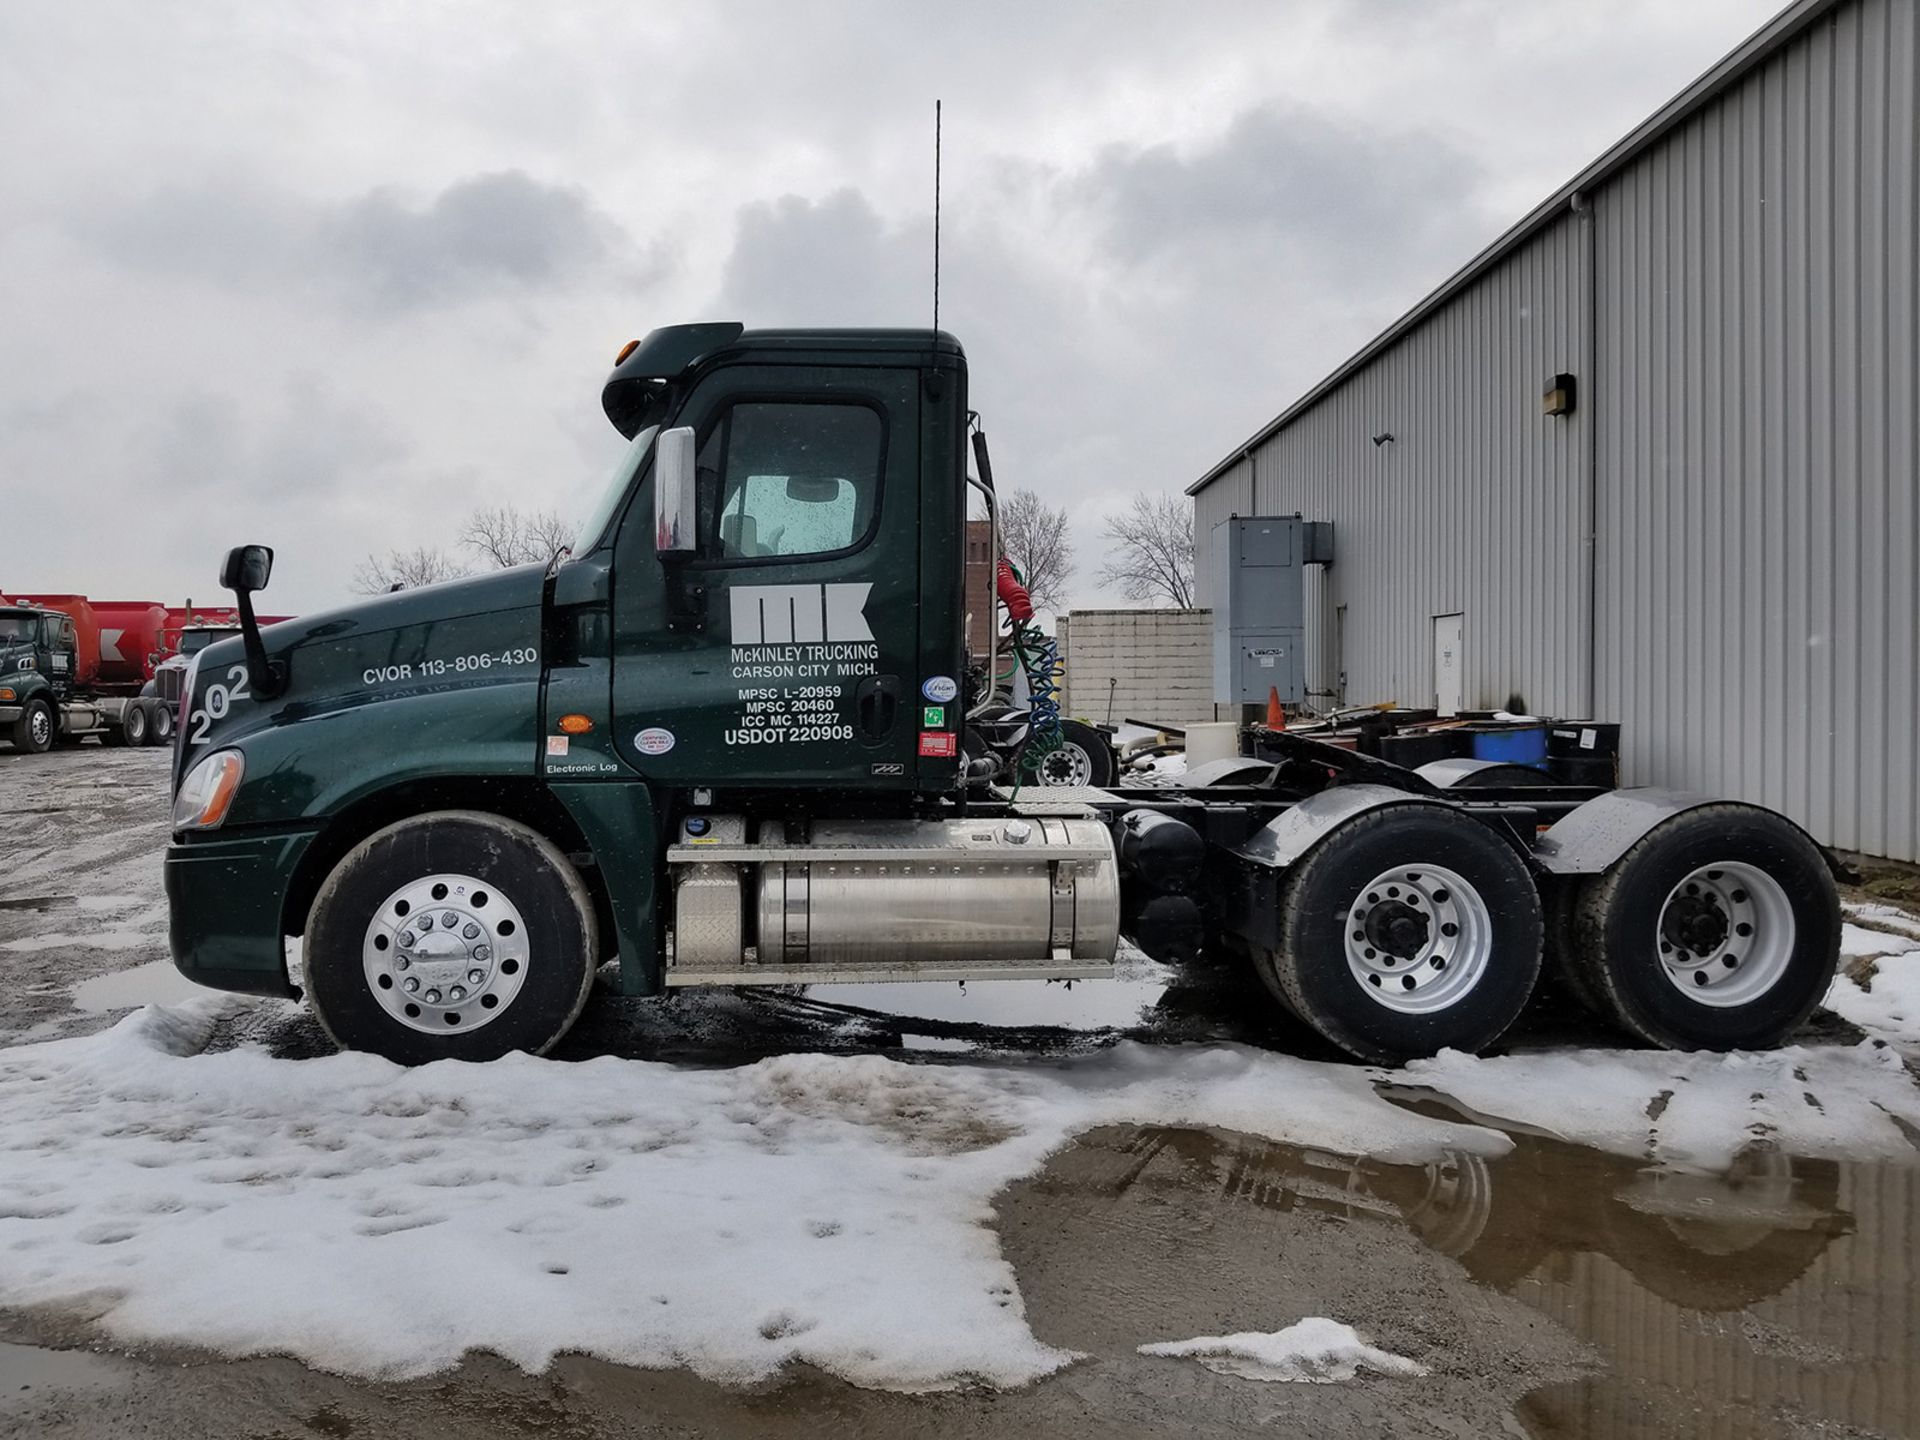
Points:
(512, 830)
(1599, 896)
(1278, 965)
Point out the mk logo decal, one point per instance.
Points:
(792, 614)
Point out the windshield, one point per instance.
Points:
(193, 640)
(597, 519)
(15, 628)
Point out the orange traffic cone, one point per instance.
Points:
(1276, 717)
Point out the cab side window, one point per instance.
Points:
(789, 478)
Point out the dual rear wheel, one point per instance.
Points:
(1413, 929)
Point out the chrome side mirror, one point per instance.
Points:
(674, 506)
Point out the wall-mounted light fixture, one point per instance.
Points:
(1385, 437)
(1558, 399)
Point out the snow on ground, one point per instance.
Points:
(1316, 1350)
(378, 1221)
(1878, 987)
(1694, 1110)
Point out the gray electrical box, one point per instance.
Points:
(1260, 605)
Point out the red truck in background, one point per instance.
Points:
(71, 667)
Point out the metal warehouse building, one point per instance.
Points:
(1715, 543)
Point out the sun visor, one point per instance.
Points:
(634, 388)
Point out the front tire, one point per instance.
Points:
(1407, 931)
(1718, 930)
(34, 730)
(454, 935)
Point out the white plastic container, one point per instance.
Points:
(1213, 740)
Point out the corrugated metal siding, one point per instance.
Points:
(1753, 388)
(1759, 376)
(1476, 506)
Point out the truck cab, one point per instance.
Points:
(722, 743)
(63, 677)
(38, 656)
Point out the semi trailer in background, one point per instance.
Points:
(71, 667)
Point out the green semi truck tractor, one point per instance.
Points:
(724, 741)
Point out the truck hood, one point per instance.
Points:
(449, 600)
(411, 646)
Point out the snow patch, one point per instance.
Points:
(1877, 912)
(1693, 1110)
(1316, 1350)
(91, 940)
(382, 1222)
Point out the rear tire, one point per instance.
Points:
(1405, 932)
(1084, 758)
(1653, 936)
(454, 935)
(133, 726)
(160, 732)
(34, 731)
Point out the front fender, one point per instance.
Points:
(325, 763)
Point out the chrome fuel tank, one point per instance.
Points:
(912, 893)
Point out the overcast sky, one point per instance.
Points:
(330, 276)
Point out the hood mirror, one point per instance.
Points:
(246, 569)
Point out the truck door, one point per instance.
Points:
(783, 651)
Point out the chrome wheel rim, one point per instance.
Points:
(446, 954)
(1069, 765)
(1418, 938)
(1725, 934)
(41, 726)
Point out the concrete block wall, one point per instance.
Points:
(1162, 661)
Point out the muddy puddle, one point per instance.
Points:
(1777, 1299)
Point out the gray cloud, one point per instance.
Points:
(483, 236)
(1159, 229)
(1293, 184)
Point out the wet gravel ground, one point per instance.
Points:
(1554, 1291)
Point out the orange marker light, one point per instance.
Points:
(625, 350)
(575, 724)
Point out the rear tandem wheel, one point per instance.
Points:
(1404, 932)
(1718, 930)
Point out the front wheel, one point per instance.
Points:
(34, 731)
(1718, 930)
(1407, 931)
(454, 935)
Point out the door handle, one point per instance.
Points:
(878, 702)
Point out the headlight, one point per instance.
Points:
(208, 790)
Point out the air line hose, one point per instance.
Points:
(1039, 656)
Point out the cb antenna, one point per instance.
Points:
(936, 215)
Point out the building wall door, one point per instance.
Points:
(1449, 634)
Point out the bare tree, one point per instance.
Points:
(1150, 551)
(1036, 541)
(505, 535)
(405, 569)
